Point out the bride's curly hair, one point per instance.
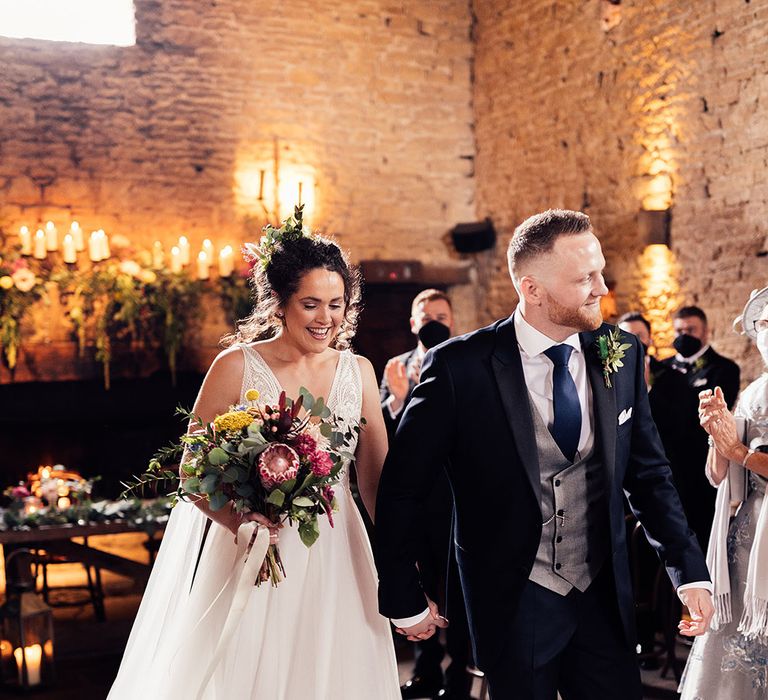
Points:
(276, 282)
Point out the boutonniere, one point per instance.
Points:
(700, 364)
(611, 351)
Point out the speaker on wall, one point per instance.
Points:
(473, 237)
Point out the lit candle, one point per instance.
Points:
(51, 236)
(94, 246)
(77, 234)
(104, 242)
(158, 256)
(70, 254)
(33, 656)
(202, 265)
(40, 248)
(184, 250)
(26, 240)
(63, 503)
(226, 261)
(208, 248)
(175, 259)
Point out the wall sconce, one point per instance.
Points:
(654, 226)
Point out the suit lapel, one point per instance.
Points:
(508, 370)
(603, 401)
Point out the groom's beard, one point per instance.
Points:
(583, 318)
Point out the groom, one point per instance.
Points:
(539, 451)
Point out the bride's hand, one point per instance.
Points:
(273, 527)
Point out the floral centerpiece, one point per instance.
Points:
(279, 460)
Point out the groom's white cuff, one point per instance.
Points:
(706, 585)
(410, 621)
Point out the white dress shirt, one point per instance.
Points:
(538, 371)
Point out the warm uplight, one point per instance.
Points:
(86, 21)
(659, 294)
(659, 193)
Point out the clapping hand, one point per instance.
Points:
(718, 421)
(425, 628)
(397, 381)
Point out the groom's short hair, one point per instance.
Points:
(538, 233)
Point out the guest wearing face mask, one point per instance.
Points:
(703, 369)
(674, 411)
(729, 662)
(431, 323)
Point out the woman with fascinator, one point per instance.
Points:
(203, 630)
(730, 662)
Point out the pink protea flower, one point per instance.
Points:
(278, 464)
(20, 492)
(321, 463)
(305, 445)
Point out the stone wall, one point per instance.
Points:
(367, 102)
(604, 112)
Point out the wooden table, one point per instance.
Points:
(57, 539)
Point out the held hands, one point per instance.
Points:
(718, 421)
(699, 604)
(425, 628)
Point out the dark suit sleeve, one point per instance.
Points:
(730, 383)
(419, 451)
(653, 497)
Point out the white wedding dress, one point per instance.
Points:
(316, 636)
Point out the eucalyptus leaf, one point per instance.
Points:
(209, 483)
(218, 501)
(318, 408)
(326, 430)
(191, 485)
(217, 457)
(244, 490)
(303, 502)
(232, 475)
(276, 498)
(309, 532)
(287, 486)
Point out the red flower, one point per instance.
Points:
(321, 463)
(305, 445)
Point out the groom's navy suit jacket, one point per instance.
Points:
(471, 415)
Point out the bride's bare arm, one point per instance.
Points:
(372, 446)
(220, 389)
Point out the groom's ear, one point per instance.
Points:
(531, 290)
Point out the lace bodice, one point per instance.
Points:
(345, 399)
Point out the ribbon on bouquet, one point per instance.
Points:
(252, 546)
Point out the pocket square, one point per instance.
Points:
(700, 382)
(625, 415)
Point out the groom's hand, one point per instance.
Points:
(699, 604)
(427, 627)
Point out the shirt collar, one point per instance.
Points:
(533, 342)
(690, 360)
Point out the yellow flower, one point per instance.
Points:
(252, 395)
(6, 282)
(233, 420)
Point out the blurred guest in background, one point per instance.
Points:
(703, 369)
(432, 323)
(674, 410)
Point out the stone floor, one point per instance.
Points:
(88, 652)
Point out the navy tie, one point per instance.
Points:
(566, 427)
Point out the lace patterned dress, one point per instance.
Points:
(725, 665)
(317, 636)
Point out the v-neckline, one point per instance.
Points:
(279, 386)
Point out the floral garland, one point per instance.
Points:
(111, 302)
(20, 288)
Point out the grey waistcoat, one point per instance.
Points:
(574, 539)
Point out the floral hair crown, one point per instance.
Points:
(291, 230)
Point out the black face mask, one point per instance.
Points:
(686, 345)
(433, 333)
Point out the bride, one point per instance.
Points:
(318, 634)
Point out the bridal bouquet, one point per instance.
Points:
(270, 459)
